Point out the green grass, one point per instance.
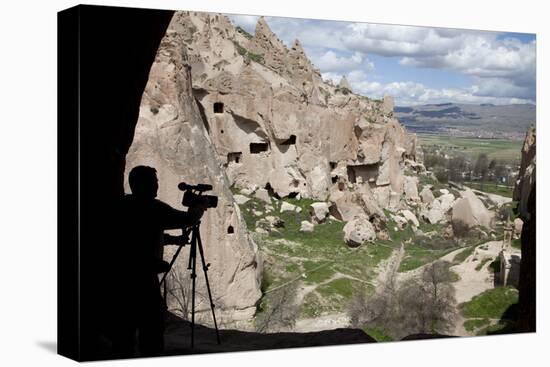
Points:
(490, 304)
(249, 55)
(243, 32)
(462, 255)
(507, 150)
(516, 243)
(482, 263)
(342, 286)
(313, 258)
(416, 256)
(491, 188)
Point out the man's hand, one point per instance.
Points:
(176, 240)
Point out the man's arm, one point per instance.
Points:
(171, 218)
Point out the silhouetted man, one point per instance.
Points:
(139, 305)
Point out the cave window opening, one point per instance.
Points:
(290, 141)
(332, 165)
(221, 131)
(218, 107)
(234, 157)
(367, 172)
(334, 179)
(292, 195)
(230, 230)
(256, 148)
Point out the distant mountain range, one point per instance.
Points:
(469, 120)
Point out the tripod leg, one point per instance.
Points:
(193, 263)
(205, 270)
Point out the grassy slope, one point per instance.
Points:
(489, 305)
(314, 258)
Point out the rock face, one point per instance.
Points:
(525, 194)
(527, 172)
(358, 231)
(171, 135)
(274, 121)
(245, 111)
(470, 211)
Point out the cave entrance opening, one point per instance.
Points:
(256, 148)
(234, 157)
(366, 172)
(218, 107)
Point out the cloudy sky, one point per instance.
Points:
(416, 65)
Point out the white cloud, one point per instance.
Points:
(412, 93)
(330, 61)
(500, 68)
(507, 62)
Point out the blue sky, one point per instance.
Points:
(416, 65)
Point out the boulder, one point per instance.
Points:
(400, 221)
(263, 195)
(274, 222)
(320, 211)
(240, 199)
(248, 191)
(435, 213)
(469, 211)
(409, 216)
(344, 206)
(446, 201)
(410, 187)
(358, 231)
(287, 207)
(306, 226)
(444, 191)
(427, 195)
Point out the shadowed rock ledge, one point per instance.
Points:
(178, 339)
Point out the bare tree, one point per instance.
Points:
(178, 289)
(422, 305)
(481, 168)
(457, 167)
(440, 294)
(279, 310)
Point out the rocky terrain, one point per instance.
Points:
(319, 188)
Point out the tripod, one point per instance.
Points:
(195, 243)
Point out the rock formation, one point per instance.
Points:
(172, 137)
(525, 194)
(246, 111)
(470, 211)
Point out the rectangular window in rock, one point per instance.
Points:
(218, 107)
(234, 157)
(256, 148)
(366, 172)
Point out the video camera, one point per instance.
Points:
(193, 196)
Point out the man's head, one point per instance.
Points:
(143, 181)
